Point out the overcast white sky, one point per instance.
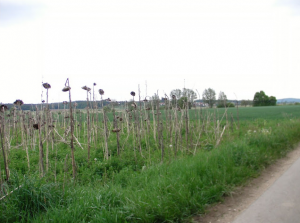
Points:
(235, 46)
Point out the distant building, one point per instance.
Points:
(200, 104)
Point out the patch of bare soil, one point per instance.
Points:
(243, 197)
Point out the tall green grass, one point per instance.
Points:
(27, 198)
(168, 192)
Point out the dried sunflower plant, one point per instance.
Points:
(141, 131)
(87, 89)
(106, 152)
(3, 109)
(67, 88)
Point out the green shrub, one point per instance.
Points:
(228, 105)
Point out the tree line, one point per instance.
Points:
(177, 97)
(209, 98)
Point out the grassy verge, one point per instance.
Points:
(169, 192)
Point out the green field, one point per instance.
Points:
(167, 175)
(254, 113)
(251, 113)
(266, 113)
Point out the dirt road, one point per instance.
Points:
(272, 197)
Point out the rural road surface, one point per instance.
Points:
(273, 196)
(280, 203)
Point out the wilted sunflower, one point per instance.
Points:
(116, 130)
(86, 88)
(66, 88)
(3, 108)
(36, 126)
(132, 93)
(19, 102)
(46, 85)
(101, 92)
(173, 96)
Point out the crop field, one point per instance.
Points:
(141, 163)
(248, 113)
(265, 112)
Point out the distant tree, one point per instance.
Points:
(209, 97)
(222, 100)
(184, 94)
(230, 105)
(261, 99)
(154, 100)
(273, 100)
(190, 94)
(182, 102)
(244, 103)
(177, 93)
